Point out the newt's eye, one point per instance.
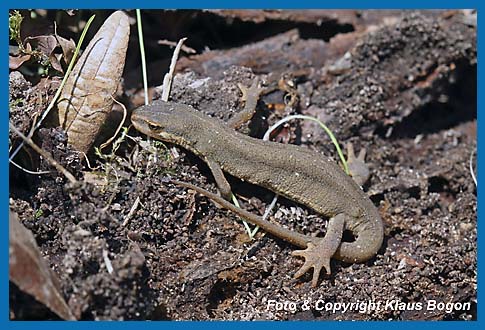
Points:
(154, 127)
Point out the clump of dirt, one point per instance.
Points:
(126, 243)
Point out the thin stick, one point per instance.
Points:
(44, 154)
(184, 48)
(105, 144)
(132, 210)
(29, 171)
(472, 172)
(167, 80)
(142, 54)
(87, 161)
(107, 262)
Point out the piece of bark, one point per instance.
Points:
(86, 99)
(396, 70)
(29, 271)
(358, 19)
(275, 55)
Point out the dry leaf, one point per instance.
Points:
(86, 98)
(28, 270)
(68, 48)
(45, 44)
(14, 62)
(55, 60)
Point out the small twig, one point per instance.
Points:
(105, 144)
(107, 262)
(267, 212)
(29, 171)
(142, 54)
(132, 210)
(184, 48)
(87, 161)
(44, 154)
(472, 171)
(270, 207)
(167, 80)
(34, 124)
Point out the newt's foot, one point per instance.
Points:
(252, 92)
(250, 97)
(314, 257)
(320, 250)
(357, 166)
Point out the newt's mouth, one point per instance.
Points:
(154, 129)
(143, 120)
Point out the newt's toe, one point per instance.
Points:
(313, 259)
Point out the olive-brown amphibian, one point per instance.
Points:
(288, 170)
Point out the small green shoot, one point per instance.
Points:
(15, 103)
(251, 233)
(38, 213)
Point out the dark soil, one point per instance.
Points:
(405, 91)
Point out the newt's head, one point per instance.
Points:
(167, 121)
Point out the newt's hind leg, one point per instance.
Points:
(357, 166)
(319, 251)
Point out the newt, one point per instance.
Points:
(288, 170)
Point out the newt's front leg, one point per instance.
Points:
(250, 97)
